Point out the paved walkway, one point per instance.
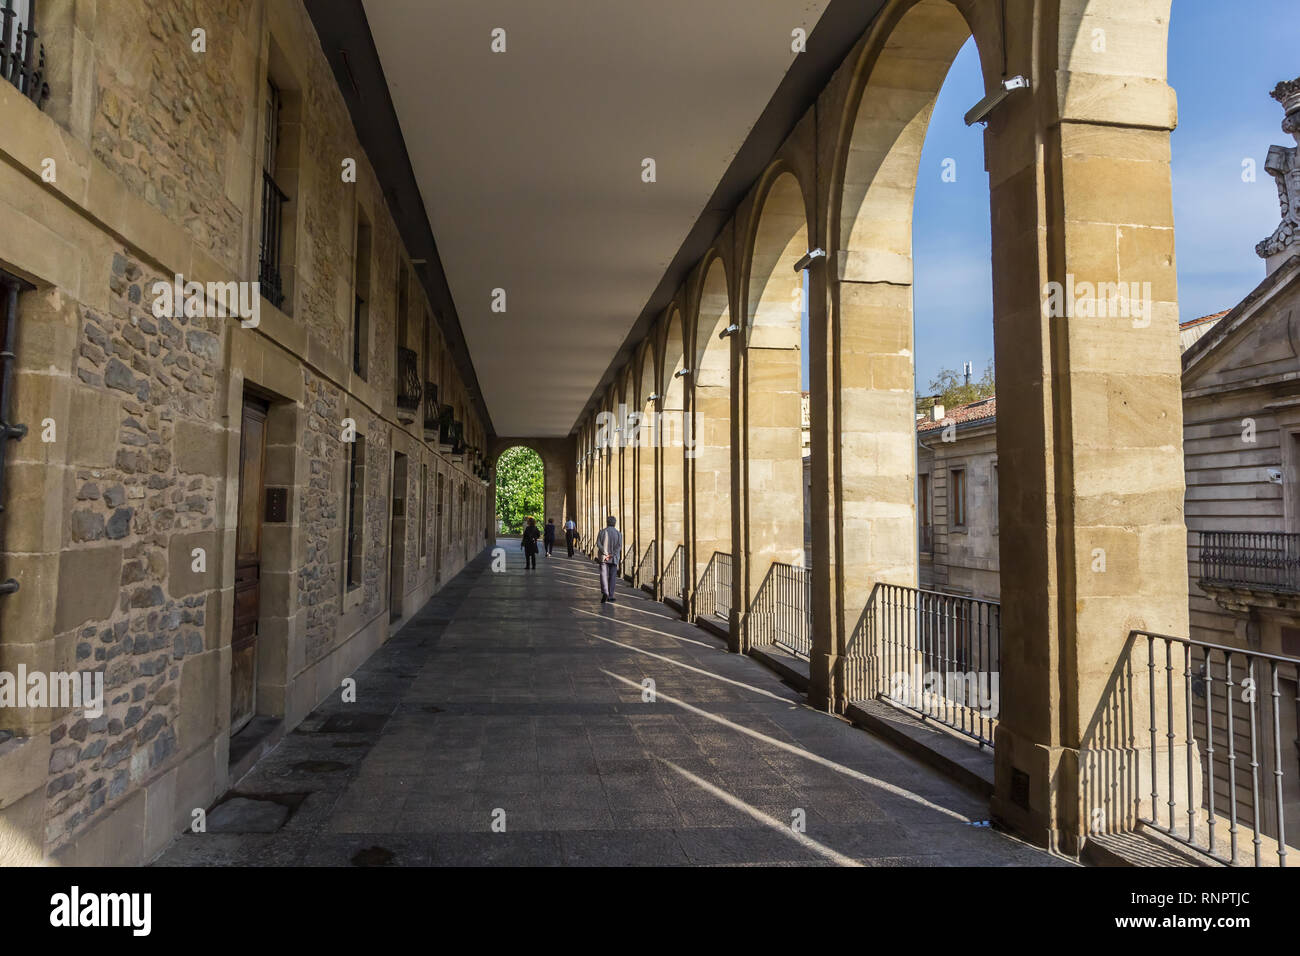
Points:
(516, 699)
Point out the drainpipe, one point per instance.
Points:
(9, 288)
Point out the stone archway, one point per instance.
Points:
(558, 475)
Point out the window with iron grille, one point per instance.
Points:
(361, 297)
(424, 510)
(356, 506)
(22, 55)
(273, 200)
(10, 286)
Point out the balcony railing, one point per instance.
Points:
(430, 407)
(713, 592)
(1268, 560)
(1219, 734)
(937, 655)
(22, 57)
(273, 200)
(672, 579)
(446, 419)
(409, 389)
(646, 568)
(781, 613)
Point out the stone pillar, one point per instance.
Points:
(1093, 542)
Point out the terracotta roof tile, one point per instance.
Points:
(984, 409)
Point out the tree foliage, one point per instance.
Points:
(949, 389)
(520, 484)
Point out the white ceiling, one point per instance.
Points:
(529, 162)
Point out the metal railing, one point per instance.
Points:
(672, 577)
(713, 591)
(1268, 559)
(646, 568)
(781, 613)
(430, 409)
(268, 273)
(1229, 746)
(22, 58)
(937, 655)
(409, 389)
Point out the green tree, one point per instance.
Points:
(519, 488)
(949, 389)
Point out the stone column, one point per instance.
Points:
(1093, 542)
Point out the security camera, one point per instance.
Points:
(979, 113)
(728, 331)
(808, 258)
(681, 372)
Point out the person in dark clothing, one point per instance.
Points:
(609, 543)
(570, 534)
(531, 534)
(549, 538)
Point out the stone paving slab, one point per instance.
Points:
(515, 699)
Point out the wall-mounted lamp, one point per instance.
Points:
(808, 258)
(681, 373)
(653, 398)
(979, 113)
(729, 331)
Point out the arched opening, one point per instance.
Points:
(711, 431)
(626, 458)
(957, 461)
(521, 489)
(646, 487)
(773, 380)
(672, 441)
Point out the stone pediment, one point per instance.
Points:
(1259, 339)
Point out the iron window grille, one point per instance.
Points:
(22, 58)
(273, 200)
(10, 286)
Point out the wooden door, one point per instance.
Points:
(248, 565)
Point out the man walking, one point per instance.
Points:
(548, 538)
(610, 545)
(570, 534)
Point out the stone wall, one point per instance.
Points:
(159, 166)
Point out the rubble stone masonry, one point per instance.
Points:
(121, 503)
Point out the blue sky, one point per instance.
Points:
(1223, 61)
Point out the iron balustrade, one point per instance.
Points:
(646, 569)
(22, 58)
(430, 407)
(10, 286)
(713, 592)
(409, 390)
(937, 655)
(673, 578)
(1218, 713)
(781, 613)
(273, 200)
(1251, 559)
